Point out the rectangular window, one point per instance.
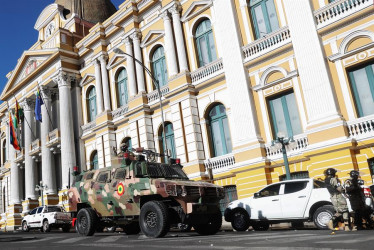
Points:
(285, 115)
(362, 83)
(264, 17)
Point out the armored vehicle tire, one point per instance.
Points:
(25, 227)
(132, 228)
(86, 222)
(212, 226)
(322, 216)
(240, 220)
(154, 219)
(66, 228)
(260, 225)
(46, 227)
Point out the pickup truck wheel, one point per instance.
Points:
(154, 219)
(25, 227)
(260, 226)
(132, 228)
(66, 228)
(46, 226)
(213, 225)
(322, 216)
(240, 220)
(86, 221)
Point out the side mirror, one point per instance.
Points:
(257, 195)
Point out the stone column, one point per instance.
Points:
(311, 62)
(105, 82)
(48, 170)
(99, 88)
(15, 180)
(181, 49)
(130, 67)
(138, 56)
(67, 129)
(169, 45)
(30, 166)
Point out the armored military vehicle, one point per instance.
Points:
(138, 193)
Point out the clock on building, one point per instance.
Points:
(49, 30)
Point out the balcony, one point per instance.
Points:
(301, 143)
(267, 43)
(54, 140)
(120, 112)
(88, 127)
(338, 10)
(153, 96)
(20, 156)
(35, 148)
(220, 164)
(208, 71)
(361, 128)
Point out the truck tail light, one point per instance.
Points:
(367, 192)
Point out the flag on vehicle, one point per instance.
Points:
(38, 106)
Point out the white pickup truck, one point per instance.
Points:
(47, 217)
(292, 201)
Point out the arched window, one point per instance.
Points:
(169, 137)
(206, 48)
(219, 130)
(94, 160)
(264, 17)
(4, 152)
(159, 66)
(92, 112)
(122, 94)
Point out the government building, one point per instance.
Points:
(236, 79)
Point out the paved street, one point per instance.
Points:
(274, 239)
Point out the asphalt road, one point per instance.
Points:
(275, 239)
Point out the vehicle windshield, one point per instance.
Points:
(157, 170)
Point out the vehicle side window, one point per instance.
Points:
(270, 191)
(319, 184)
(40, 209)
(103, 177)
(89, 176)
(34, 211)
(120, 174)
(293, 187)
(54, 209)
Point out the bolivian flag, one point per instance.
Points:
(12, 134)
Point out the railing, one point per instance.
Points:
(339, 9)
(120, 111)
(362, 127)
(154, 94)
(301, 143)
(270, 41)
(88, 126)
(207, 70)
(220, 163)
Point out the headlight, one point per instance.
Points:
(181, 191)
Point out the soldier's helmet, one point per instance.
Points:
(354, 174)
(330, 172)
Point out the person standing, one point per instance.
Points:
(339, 202)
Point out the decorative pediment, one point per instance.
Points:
(274, 75)
(195, 9)
(87, 79)
(152, 37)
(115, 60)
(47, 15)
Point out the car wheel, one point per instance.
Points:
(132, 228)
(260, 225)
(322, 216)
(25, 227)
(154, 219)
(212, 226)
(86, 221)
(66, 228)
(46, 226)
(240, 220)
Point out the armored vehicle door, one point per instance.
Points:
(100, 197)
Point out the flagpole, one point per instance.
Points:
(50, 120)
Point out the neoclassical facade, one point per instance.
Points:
(233, 76)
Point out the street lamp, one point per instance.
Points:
(280, 143)
(42, 187)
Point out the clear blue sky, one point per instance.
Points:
(17, 19)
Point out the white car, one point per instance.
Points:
(292, 201)
(47, 217)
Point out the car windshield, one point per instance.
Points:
(157, 170)
(53, 209)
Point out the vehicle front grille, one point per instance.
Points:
(193, 190)
(211, 192)
(202, 191)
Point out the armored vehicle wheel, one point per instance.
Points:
(154, 219)
(46, 228)
(322, 216)
(25, 227)
(260, 225)
(66, 228)
(212, 226)
(132, 228)
(86, 221)
(240, 220)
